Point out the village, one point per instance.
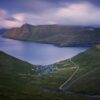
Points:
(46, 69)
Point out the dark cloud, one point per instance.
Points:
(73, 12)
(37, 6)
(97, 2)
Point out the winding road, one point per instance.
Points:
(69, 79)
(61, 87)
(80, 77)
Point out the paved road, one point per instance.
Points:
(61, 87)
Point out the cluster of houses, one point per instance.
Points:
(45, 69)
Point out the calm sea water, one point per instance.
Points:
(36, 53)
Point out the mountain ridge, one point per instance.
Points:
(60, 35)
(3, 30)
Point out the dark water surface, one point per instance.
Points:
(36, 53)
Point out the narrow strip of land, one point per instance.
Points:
(77, 68)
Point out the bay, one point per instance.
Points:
(37, 53)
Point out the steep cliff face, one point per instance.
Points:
(57, 34)
(19, 33)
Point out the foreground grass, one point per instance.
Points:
(18, 80)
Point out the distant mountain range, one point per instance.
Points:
(60, 35)
(2, 31)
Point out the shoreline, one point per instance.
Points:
(54, 44)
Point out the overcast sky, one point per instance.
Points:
(14, 13)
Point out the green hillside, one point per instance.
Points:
(87, 79)
(19, 80)
(88, 76)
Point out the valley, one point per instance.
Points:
(20, 80)
(49, 50)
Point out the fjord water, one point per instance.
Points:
(37, 53)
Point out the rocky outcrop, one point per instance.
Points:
(60, 35)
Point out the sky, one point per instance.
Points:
(14, 13)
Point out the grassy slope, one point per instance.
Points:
(88, 77)
(19, 82)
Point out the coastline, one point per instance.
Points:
(75, 44)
